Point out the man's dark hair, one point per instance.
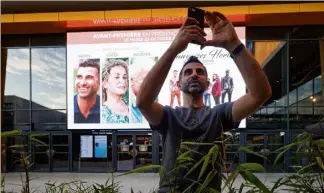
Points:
(192, 59)
(91, 63)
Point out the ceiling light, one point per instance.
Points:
(311, 97)
(314, 99)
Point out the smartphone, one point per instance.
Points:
(199, 15)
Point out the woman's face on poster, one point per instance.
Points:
(117, 80)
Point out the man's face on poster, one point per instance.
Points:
(215, 77)
(137, 80)
(87, 82)
(175, 73)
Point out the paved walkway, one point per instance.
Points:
(143, 182)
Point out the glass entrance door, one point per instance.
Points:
(41, 149)
(144, 149)
(52, 154)
(59, 153)
(133, 151)
(265, 143)
(126, 152)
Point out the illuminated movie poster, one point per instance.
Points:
(100, 148)
(86, 146)
(104, 97)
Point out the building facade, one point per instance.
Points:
(286, 39)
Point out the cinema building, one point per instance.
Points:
(42, 45)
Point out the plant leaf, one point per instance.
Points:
(279, 156)
(207, 180)
(161, 172)
(37, 141)
(232, 177)
(141, 169)
(38, 134)
(305, 167)
(319, 142)
(247, 150)
(17, 146)
(320, 162)
(195, 166)
(253, 167)
(11, 133)
(215, 155)
(248, 176)
(195, 143)
(206, 161)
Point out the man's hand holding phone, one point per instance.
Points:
(188, 32)
(223, 31)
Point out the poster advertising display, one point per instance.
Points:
(100, 149)
(106, 69)
(86, 145)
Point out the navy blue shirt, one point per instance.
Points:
(94, 115)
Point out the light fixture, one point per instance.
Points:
(291, 57)
(311, 97)
(314, 99)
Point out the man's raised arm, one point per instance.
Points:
(153, 82)
(259, 89)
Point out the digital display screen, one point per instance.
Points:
(105, 71)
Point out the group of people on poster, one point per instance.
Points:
(119, 80)
(218, 88)
(115, 104)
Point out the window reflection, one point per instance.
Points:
(144, 149)
(42, 118)
(272, 57)
(17, 78)
(304, 73)
(48, 78)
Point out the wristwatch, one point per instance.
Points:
(237, 50)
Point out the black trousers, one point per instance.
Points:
(229, 95)
(216, 99)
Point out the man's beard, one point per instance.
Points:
(196, 90)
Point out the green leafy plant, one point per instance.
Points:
(310, 177)
(25, 154)
(207, 169)
(203, 167)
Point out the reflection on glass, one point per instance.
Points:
(125, 152)
(305, 91)
(48, 78)
(304, 74)
(22, 116)
(256, 143)
(231, 148)
(42, 118)
(42, 154)
(92, 164)
(274, 142)
(271, 56)
(17, 78)
(17, 154)
(60, 152)
(144, 149)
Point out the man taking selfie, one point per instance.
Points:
(194, 121)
